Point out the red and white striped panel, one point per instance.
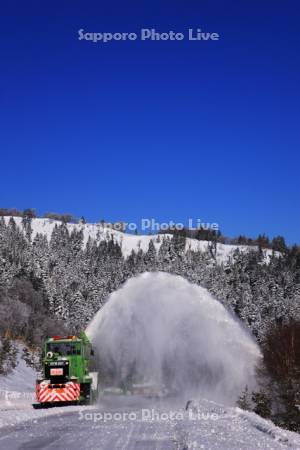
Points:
(68, 392)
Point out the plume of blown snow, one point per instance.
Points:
(160, 328)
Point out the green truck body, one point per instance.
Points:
(67, 375)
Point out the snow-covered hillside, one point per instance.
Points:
(129, 242)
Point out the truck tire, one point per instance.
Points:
(86, 392)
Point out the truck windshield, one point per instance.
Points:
(63, 348)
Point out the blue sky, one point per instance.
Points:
(169, 130)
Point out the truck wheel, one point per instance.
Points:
(86, 392)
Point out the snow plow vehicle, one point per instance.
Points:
(66, 376)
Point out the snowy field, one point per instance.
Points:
(129, 242)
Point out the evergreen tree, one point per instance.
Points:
(262, 404)
(244, 401)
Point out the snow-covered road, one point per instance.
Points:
(132, 424)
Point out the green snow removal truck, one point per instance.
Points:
(67, 376)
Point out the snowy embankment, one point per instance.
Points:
(17, 391)
(17, 388)
(129, 242)
(234, 428)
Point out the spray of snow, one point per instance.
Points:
(161, 328)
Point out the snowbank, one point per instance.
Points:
(17, 388)
(245, 429)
